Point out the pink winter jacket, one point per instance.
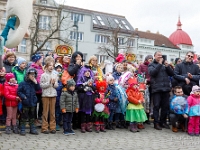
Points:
(40, 71)
(194, 105)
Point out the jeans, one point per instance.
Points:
(67, 120)
(175, 118)
(160, 101)
(58, 114)
(112, 112)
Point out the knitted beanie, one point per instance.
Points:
(70, 82)
(9, 76)
(109, 77)
(36, 57)
(194, 89)
(20, 60)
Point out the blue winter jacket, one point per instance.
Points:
(113, 94)
(117, 75)
(27, 92)
(59, 91)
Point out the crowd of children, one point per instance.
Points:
(87, 95)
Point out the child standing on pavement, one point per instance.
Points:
(194, 111)
(10, 93)
(27, 93)
(69, 104)
(135, 111)
(49, 83)
(58, 69)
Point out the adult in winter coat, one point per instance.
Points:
(76, 63)
(9, 62)
(159, 71)
(187, 73)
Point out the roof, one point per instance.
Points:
(102, 20)
(180, 36)
(159, 39)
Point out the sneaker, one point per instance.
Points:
(57, 127)
(66, 133)
(71, 132)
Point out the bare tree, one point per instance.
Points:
(39, 36)
(112, 47)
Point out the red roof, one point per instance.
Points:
(179, 36)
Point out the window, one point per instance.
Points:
(127, 27)
(22, 47)
(84, 56)
(3, 19)
(79, 17)
(94, 21)
(73, 35)
(131, 42)
(101, 38)
(118, 23)
(44, 22)
(43, 1)
(123, 22)
(100, 20)
(101, 58)
(121, 41)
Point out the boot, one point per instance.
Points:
(140, 126)
(123, 124)
(15, 129)
(22, 130)
(182, 125)
(83, 125)
(108, 126)
(132, 128)
(112, 126)
(8, 130)
(118, 125)
(97, 128)
(174, 129)
(157, 126)
(33, 130)
(135, 125)
(147, 121)
(88, 127)
(102, 128)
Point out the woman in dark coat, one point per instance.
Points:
(9, 62)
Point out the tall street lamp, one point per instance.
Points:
(76, 26)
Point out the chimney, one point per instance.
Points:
(148, 31)
(157, 32)
(136, 29)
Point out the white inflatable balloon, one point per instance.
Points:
(23, 10)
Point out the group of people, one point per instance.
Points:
(76, 94)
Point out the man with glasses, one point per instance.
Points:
(159, 71)
(187, 73)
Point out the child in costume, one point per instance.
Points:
(113, 100)
(49, 83)
(86, 90)
(69, 104)
(11, 102)
(194, 111)
(118, 72)
(58, 69)
(27, 93)
(101, 112)
(178, 109)
(135, 111)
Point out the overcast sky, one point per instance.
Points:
(153, 15)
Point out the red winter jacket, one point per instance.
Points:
(10, 94)
(1, 95)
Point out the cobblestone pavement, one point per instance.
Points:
(123, 139)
